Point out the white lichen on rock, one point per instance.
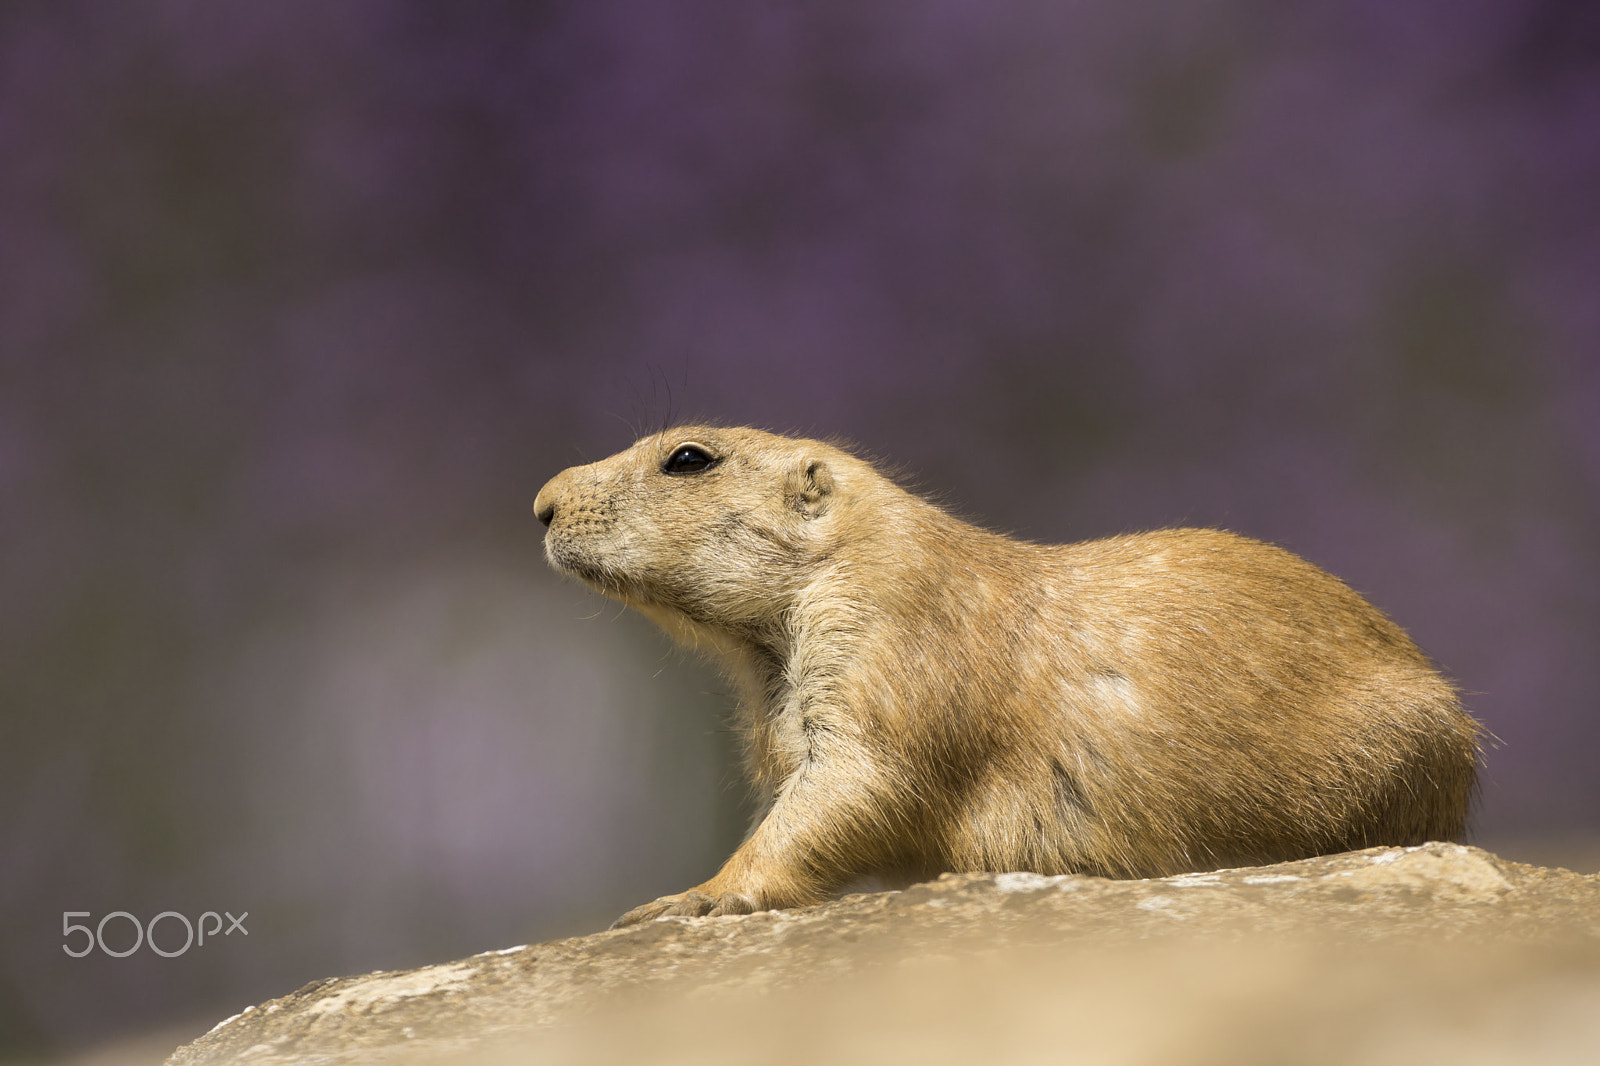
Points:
(386, 989)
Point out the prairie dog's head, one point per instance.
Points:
(720, 524)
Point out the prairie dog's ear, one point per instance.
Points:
(808, 487)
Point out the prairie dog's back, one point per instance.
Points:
(1154, 703)
(1257, 705)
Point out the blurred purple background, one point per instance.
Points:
(300, 303)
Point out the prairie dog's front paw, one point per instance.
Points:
(690, 904)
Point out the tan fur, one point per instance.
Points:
(918, 695)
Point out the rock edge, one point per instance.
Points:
(1435, 893)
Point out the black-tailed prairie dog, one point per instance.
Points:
(917, 695)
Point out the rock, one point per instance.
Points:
(1390, 954)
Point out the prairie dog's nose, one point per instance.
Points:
(544, 504)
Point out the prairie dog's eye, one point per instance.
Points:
(689, 459)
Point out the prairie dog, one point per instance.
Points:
(918, 695)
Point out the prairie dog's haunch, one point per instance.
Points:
(918, 695)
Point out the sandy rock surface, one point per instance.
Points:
(1430, 954)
